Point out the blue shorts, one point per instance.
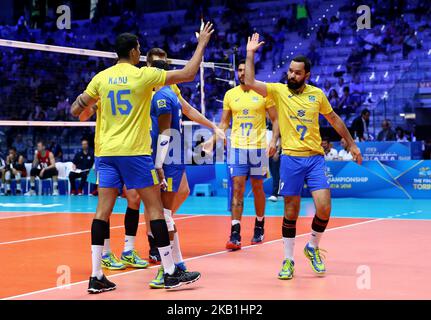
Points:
(136, 172)
(96, 168)
(248, 162)
(295, 171)
(173, 176)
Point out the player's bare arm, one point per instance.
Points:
(223, 126)
(272, 147)
(253, 45)
(82, 102)
(190, 70)
(338, 124)
(87, 113)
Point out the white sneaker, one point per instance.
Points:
(273, 198)
(55, 193)
(30, 193)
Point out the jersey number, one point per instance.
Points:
(123, 106)
(302, 131)
(246, 128)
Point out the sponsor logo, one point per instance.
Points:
(301, 113)
(245, 111)
(161, 103)
(312, 98)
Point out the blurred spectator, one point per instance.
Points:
(354, 61)
(373, 41)
(302, 17)
(82, 163)
(345, 105)
(277, 53)
(344, 154)
(43, 167)
(2, 172)
(56, 150)
(410, 43)
(400, 135)
(386, 134)
(63, 104)
(333, 98)
(322, 32)
(15, 169)
(330, 152)
(313, 55)
(19, 144)
(427, 151)
(327, 87)
(340, 86)
(360, 126)
(334, 30)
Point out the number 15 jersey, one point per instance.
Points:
(125, 93)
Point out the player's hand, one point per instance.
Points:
(205, 34)
(253, 43)
(163, 183)
(208, 146)
(219, 133)
(271, 149)
(356, 153)
(87, 113)
(14, 171)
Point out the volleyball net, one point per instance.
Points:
(39, 82)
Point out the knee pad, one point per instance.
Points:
(169, 220)
(18, 176)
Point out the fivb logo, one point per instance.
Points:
(364, 20)
(64, 21)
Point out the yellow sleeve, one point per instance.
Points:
(269, 102)
(176, 90)
(226, 101)
(153, 76)
(272, 89)
(325, 106)
(93, 87)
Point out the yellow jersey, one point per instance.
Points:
(248, 117)
(125, 93)
(97, 131)
(298, 118)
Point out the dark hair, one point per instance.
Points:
(161, 64)
(242, 61)
(155, 52)
(12, 148)
(124, 43)
(365, 111)
(305, 60)
(326, 139)
(40, 141)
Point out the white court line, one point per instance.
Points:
(80, 232)
(23, 215)
(188, 259)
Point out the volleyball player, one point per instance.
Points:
(14, 169)
(125, 147)
(248, 154)
(299, 105)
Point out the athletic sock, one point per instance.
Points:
(318, 226)
(32, 187)
(18, 185)
(176, 249)
(129, 243)
(161, 239)
(107, 241)
(259, 222)
(8, 186)
(289, 234)
(234, 222)
(99, 230)
(55, 185)
(131, 221)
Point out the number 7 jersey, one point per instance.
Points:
(248, 117)
(298, 118)
(125, 93)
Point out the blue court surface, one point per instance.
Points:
(341, 207)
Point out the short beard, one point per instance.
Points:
(295, 85)
(241, 82)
